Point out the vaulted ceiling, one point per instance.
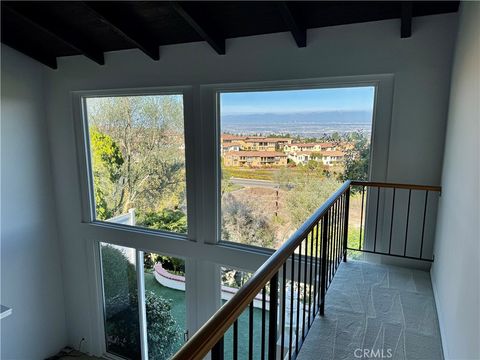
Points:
(45, 30)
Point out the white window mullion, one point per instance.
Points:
(142, 311)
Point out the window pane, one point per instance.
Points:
(165, 304)
(122, 330)
(284, 153)
(137, 152)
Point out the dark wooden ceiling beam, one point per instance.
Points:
(215, 41)
(12, 40)
(125, 26)
(55, 30)
(406, 19)
(299, 32)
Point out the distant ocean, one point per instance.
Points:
(308, 124)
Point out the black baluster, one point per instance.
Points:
(297, 328)
(345, 224)
(320, 260)
(408, 217)
(424, 218)
(235, 340)
(262, 356)
(284, 289)
(310, 277)
(339, 230)
(250, 331)
(292, 291)
(304, 287)
(391, 222)
(361, 219)
(376, 221)
(335, 236)
(315, 290)
(217, 351)
(331, 244)
(272, 326)
(324, 264)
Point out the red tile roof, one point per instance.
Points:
(256, 153)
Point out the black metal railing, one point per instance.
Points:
(386, 212)
(297, 276)
(302, 282)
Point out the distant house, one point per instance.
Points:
(255, 158)
(328, 158)
(255, 143)
(229, 139)
(300, 157)
(323, 146)
(260, 144)
(230, 147)
(332, 157)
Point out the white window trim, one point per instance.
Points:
(381, 125)
(203, 253)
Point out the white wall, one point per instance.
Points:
(456, 271)
(421, 67)
(31, 280)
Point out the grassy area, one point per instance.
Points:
(269, 173)
(247, 173)
(353, 242)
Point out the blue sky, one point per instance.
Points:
(293, 101)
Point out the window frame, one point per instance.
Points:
(84, 158)
(380, 134)
(203, 252)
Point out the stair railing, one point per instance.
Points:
(297, 276)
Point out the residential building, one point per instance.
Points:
(332, 157)
(328, 158)
(230, 147)
(323, 146)
(229, 138)
(259, 144)
(255, 158)
(256, 143)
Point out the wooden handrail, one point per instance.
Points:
(396, 185)
(214, 329)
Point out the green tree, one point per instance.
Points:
(148, 131)
(357, 161)
(107, 161)
(307, 195)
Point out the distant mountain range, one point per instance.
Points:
(326, 117)
(306, 124)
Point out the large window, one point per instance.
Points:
(137, 150)
(284, 152)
